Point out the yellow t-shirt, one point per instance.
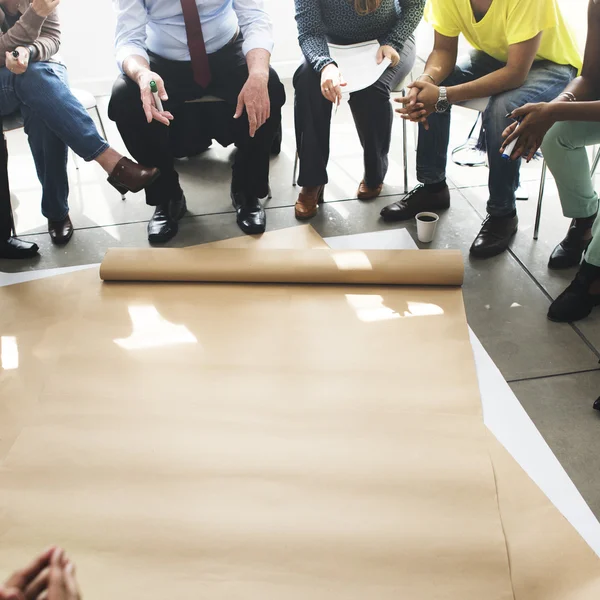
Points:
(508, 22)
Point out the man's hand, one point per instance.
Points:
(388, 52)
(536, 120)
(332, 83)
(18, 65)
(44, 8)
(145, 76)
(420, 102)
(30, 582)
(255, 98)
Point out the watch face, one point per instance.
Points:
(442, 106)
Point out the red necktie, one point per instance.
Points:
(195, 41)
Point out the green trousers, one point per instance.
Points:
(564, 149)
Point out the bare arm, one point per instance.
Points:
(442, 60)
(513, 75)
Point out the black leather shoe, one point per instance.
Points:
(570, 251)
(15, 248)
(578, 300)
(416, 201)
(60, 231)
(251, 217)
(163, 224)
(495, 236)
(597, 404)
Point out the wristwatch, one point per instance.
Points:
(442, 105)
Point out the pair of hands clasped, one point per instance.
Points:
(533, 120)
(332, 81)
(51, 576)
(254, 98)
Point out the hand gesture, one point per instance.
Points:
(332, 83)
(44, 8)
(152, 113)
(62, 584)
(18, 65)
(30, 582)
(535, 121)
(388, 52)
(420, 102)
(255, 98)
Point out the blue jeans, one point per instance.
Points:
(544, 82)
(54, 122)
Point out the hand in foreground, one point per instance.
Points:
(255, 98)
(18, 65)
(30, 582)
(420, 102)
(62, 584)
(152, 113)
(535, 121)
(44, 8)
(332, 83)
(388, 52)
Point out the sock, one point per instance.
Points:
(435, 187)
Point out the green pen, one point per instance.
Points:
(157, 102)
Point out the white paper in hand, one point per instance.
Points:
(358, 64)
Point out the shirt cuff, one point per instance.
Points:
(254, 42)
(320, 63)
(130, 50)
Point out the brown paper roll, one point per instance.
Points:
(234, 265)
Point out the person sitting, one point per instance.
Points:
(191, 49)
(34, 82)
(318, 85)
(523, 52)
(567, 125)
(50, 576)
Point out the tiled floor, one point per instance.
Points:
(552, 368)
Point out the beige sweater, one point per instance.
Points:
(30, 29)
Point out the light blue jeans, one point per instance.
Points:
(545, 81)
(54, 121)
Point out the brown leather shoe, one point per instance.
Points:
(128, 176)
(416, 201)
(495, 236)
(367, 193)
(308, 201)
(60, 231)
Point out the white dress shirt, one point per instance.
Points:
(158, 26)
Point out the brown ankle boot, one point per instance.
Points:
(128, 176)
(308, 201)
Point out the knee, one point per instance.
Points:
(306, 80)
(559, 139)
(276, 91)
(35, 77)
(494, 116)
(124, 99)
(376, 94)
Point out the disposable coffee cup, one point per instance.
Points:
(426, 226)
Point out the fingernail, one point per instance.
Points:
(507, 116)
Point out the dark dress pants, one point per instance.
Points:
(373, 116)
(150, 144)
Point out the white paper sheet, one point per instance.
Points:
(358, 64)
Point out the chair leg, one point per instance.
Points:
(405, 151)
(294, 176)
(101, 122)
(538, 215)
